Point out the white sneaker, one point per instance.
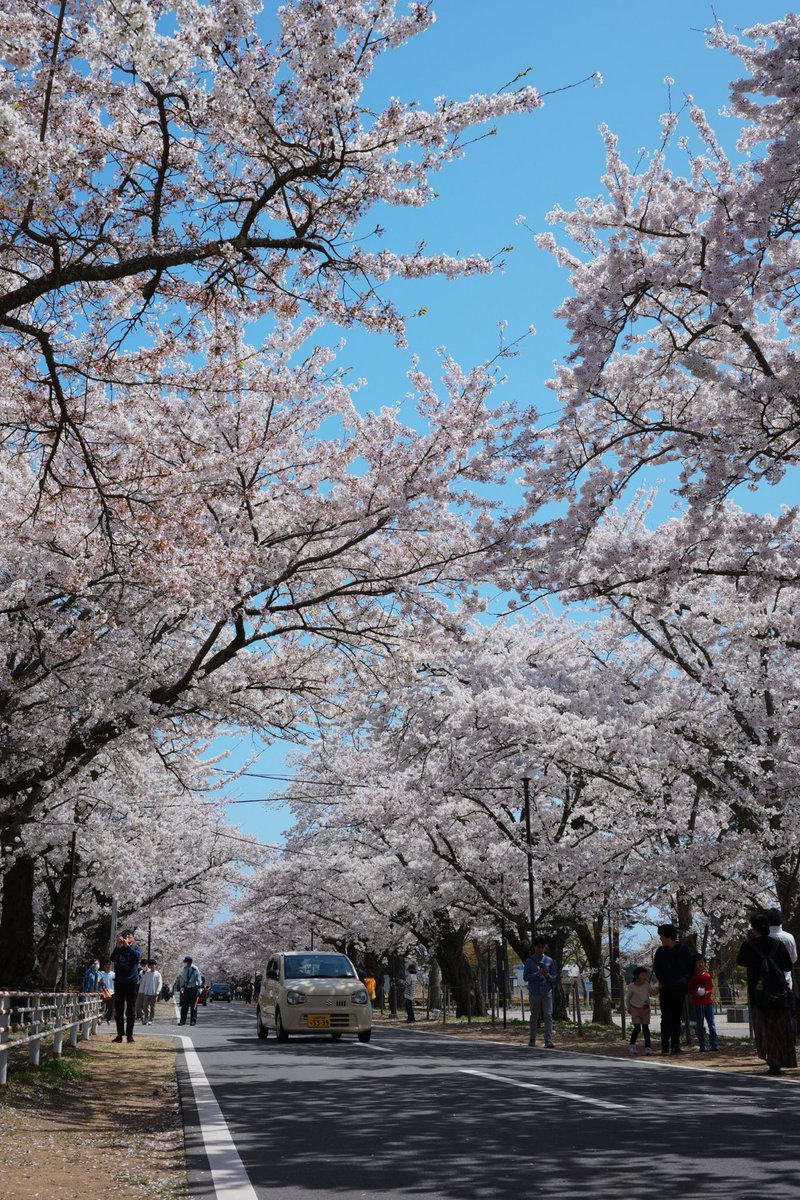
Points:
(631, 1050)
(648, 1051)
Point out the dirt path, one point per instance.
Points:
(102, 1121)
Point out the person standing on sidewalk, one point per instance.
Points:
(91, 980)
(539, 973)
(672, 966)
(701, 994)
(637, 1002)
(107, 991)
(149, 988)
(776, 930)
(188, 983)
(125, 957)
(771, 1002)
(409, 992)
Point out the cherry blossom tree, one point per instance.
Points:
(683, 320)
(195, 513)
(135, 829)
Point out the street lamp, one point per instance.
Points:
(527, 794)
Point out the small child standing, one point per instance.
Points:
(637, 1003)
(701, 994)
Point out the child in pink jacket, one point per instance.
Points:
(637, 1003)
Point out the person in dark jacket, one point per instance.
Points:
(125, 957)
(774, 1029)
(672, 966)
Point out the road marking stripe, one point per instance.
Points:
(372, 1046)
(227, 1169)
(538, 1087)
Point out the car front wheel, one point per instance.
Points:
(280, 1032)
(261, 1028)
(365, 1036)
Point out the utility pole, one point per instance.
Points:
(527, 794)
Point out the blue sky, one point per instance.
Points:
(535, 162)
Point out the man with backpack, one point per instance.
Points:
(771, 1004)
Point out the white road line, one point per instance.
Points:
(538, 1087)
(227, 1170)
(372, 1046)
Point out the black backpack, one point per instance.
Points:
(771, 993)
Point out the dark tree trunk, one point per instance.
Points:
(591, 940)
(50, 947)
(435, 985)
(482, 957)
(685, 914)
(458, 973)
(18, 966)
(556, 943)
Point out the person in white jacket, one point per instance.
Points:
(149, 988)
(410, 991)
(776, 930)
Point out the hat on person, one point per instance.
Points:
(187, 959)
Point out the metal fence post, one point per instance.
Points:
(73, 1021)
(58, 1031)
(34, 1037)
(5, 1010)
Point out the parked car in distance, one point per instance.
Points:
(312, 992)
(220, 991)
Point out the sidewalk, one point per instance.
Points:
(104, 1107)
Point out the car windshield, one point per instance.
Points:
(318, 966)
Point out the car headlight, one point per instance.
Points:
(359, 997)
(296, 997)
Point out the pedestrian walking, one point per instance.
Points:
(188, 984)
(149, 988)
(409, 992)
(701, 993)
(91, 978)
(107, 990)
(371, 986)
(637, 1004)
(539, 973)
(771, 1002)
(672, 966)
(125, 957)
(248, 992)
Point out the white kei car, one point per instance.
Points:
(305, 991)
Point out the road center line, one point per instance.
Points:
(230, 1179)
(538, 1087)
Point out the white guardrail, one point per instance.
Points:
(28, 1018)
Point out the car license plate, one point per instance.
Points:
(320, 1022)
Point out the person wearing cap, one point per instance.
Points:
(188, 983)
(539, 973)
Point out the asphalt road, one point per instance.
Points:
(427, 1116)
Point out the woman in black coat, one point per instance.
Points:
(774, 1028)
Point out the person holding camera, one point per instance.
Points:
(125, 957)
